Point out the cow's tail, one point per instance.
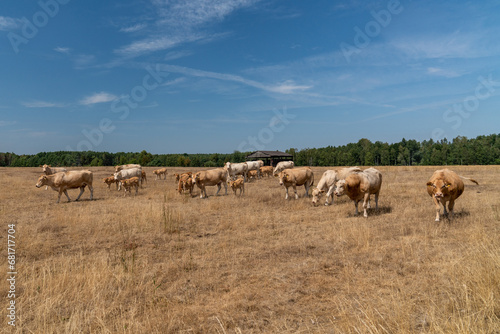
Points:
(467, 178)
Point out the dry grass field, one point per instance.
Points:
(162, 262)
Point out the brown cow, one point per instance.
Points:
(252, 174)
(328, 181)
(110, 180)
(185, 183)
(238, 184)
(159, 172)
(178, 176)
(210, 177)
(446, 186)
(266, 170)
(144, 178)
(129, 183)
(68, 180)
(297, 177)
(359, 186)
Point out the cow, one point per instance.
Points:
(129, 183)
(252, 174)
(282, 165)
(359, 186)
(178, 176)
(127, 174)
(296, 177)
(446, 186)
(159, 172)
(266, 170)
(328, 181)
(234, 169)
(128, 166)
(110, 180)
(49, 170)
(144, 177)
(238, 184)
(185, 183)
(255, 165)
(68, 180)
(210, 177)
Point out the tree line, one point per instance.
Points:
(482, 150)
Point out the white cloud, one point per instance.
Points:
(7, 123)
(101, 97)
(62, 50)
(9, 23)
(42, 104)
(134, 28)
(177, 54)
(442, 72)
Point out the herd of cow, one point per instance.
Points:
(444, 186)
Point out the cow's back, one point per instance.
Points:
(301, 175)
(373, 178)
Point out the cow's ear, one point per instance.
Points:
(429, 183)
(448, 185)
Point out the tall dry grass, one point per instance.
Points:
(162, 262)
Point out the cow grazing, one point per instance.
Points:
(359, 186)
(129, 183)
(159, 172)
(185, 183)
(144, 177)
(266, 171)
(127, 174)
(252, 174)
(109, 181)
(446, 186)
(328, 181)
(255, 165)
(234, 169)
(128, 166)
(178, 176)
(210, 177)
(238, 184)
(296, 177)
(282, 165)
(68, 180)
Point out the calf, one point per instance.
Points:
(296, 177)
(359, 186)
(266, 171)
(238, 184)
(185, 183)
(127, 174)
(159, 172)
(69, 180)
(110, 180)
(129, 183)
(445, 186)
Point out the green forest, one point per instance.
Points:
(482, 150)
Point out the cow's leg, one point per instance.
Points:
(356, 207)
(451, 204)
(295, 191)
(366, 203)
(218, 189)
(286, 196)
(242, 189)
(136, 189)
(445, 212)
(65, 193)
(82, 189)
(330, 194)
(376, 200)
(225, 187)
(438, 207)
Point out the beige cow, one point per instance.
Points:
(68, 180)
(297, 177)
(266, 170)
(127, 166)
(109, 181)
(238, 184)
(282, 165)
(49, 170)
(359, 186)
(446, 186)
(328, 181)
(211, 177)
(129, 183)
(159, 172)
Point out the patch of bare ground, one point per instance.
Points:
(161, 262)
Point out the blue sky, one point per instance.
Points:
(199, 76)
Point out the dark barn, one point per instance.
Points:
(270, 158)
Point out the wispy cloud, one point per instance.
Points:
(62, 50)
(287, 87)
(7, 123)
(177, 54)
(101, 97)
(178, 22)
(134, 28)
(9, 23)
(442, 72)
(42, 104)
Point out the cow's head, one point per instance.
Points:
(45, 168)
(283, 176)
(196, 177)
(316, 195)
(117, 175)
(439, 188)
(341, 186)
(42, 180)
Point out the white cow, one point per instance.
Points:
(282, 165)
(255, 165)
(328, 181)
(127, 166)
(234, 169)
(127, 174)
